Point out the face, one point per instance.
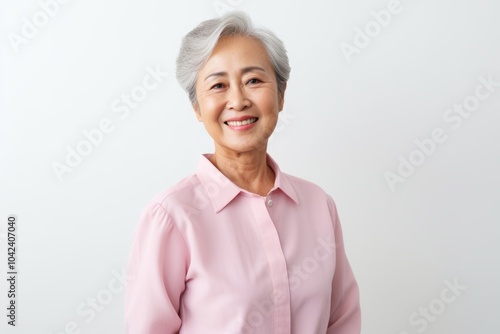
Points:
(237, 95)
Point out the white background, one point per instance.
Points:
(346, 122)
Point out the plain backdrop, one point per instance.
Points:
(351, 118)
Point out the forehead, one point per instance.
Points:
(228, 42)
(237, 51)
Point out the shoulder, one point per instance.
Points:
(305, 186)
(310, 192)
(163, 211)
(176, 195)
(182, 188)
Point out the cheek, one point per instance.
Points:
(211, 107)
(268, 99)
(271, 106)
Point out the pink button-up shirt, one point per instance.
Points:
(211, 258)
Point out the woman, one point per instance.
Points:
(239, 246)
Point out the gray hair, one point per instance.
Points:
(198, 44)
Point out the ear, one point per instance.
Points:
(281, 97)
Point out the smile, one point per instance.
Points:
(241, 123)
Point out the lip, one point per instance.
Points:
(241, 127)
(240, 119)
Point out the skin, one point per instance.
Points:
(236, 92)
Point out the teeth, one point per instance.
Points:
(245, 122)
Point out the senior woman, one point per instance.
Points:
(239, 246)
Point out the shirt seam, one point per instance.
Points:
(169, 218)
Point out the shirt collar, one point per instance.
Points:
(221, 191)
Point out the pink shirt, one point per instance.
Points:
(211, 258)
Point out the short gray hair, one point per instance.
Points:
(198, 44)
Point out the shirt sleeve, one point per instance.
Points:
(157, 269)
(345, 313)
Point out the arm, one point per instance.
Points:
(345, 314)
(157, 269)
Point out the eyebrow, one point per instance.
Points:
(243, 71)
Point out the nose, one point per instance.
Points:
(237, 99)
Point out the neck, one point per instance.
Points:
(247, 170)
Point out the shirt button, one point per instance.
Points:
(269, 202)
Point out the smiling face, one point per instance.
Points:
(237, 95)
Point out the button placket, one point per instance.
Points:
(277, 267)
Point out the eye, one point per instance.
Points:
(217, 86)
(254, 81)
